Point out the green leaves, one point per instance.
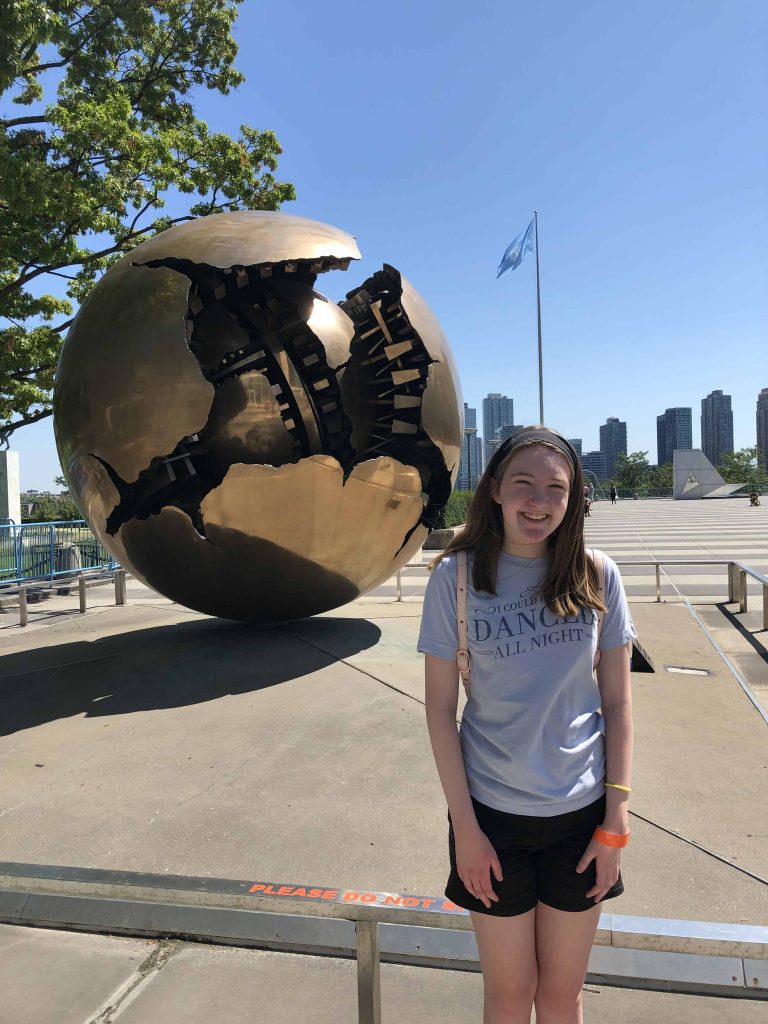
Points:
(85, 172)
(740, 467)
(632, 470)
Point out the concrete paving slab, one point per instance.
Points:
(55, 977)
(148, 737)
(203, 983)
(300, 753)
(744, 640)
(89, 979)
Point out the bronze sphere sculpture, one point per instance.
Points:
(240, 443)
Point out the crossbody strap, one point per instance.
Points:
(462, 650)
(597, 558)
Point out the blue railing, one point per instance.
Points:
(45, 551)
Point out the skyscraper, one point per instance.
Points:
(576, 442)
(716, 426)
(594, 462)
(470, 464)
(673, 430)
(497, 412)
(762, 430)
(613, 442)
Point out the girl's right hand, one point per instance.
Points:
(475, 860)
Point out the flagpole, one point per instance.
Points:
(538, 309)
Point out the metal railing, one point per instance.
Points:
(637, 952)
(738, 572)
(47, 551)
(84, 581)
(737, 577)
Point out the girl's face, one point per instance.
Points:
(533, 494)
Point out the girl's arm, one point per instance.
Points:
(442, 698)
(476, 858)
(613, 679)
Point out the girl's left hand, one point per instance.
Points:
(607, 862)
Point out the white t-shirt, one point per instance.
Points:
(532, 736)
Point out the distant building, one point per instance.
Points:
(613, 442)
(576, 442)
(716, 426)
(498, 411)
(762, 430)
(471, 462)
(594, 462)
(673, 430)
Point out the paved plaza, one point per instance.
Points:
(662, 528)
(151, 738)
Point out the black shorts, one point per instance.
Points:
(538, 859)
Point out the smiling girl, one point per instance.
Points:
(537, 782)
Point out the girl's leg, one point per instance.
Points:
(563, 944)
(507, 947)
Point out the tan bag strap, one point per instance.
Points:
(462, 651)
(597, 558)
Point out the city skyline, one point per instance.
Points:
(32, 479)
(679, 425)
(641, 310)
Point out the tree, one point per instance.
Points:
(740, 467)
(660, 477)
(84, 175)
(49, 508)
(631, 471)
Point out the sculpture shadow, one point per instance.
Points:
(169, 666)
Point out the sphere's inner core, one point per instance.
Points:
(293, 378)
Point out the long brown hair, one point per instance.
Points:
(571, 581)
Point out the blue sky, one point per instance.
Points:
(432, 130)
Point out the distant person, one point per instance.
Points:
(614, 494)
(754, 499)
(591, 492)
(537, 782)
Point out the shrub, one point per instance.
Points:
(455, 512)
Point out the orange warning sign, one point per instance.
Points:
(383, 899)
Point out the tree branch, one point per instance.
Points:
(8, 428)
(35, 69)
(119, 243)
(13, 122)
(31, 372)
(63, 327)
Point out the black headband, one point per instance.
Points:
(531, 435)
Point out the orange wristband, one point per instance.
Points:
(610, 838)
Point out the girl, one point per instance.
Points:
(537, 784)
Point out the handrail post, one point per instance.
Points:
(731, 583)
(81, 593)
(399, 585)
(23, 605)
(658, 582)
(765, 606)
(368, 973)
(742, 591)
